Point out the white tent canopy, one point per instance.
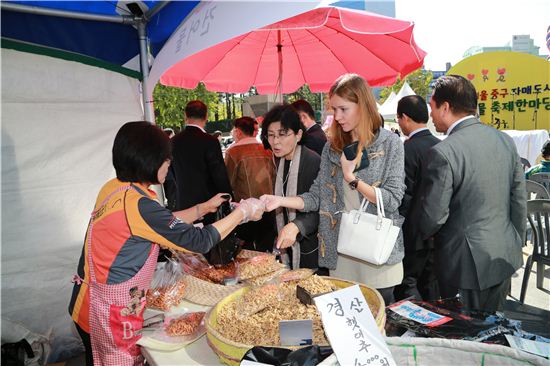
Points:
(389, 108)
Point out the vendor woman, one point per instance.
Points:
(122, 242)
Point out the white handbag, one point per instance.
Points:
(365, 236)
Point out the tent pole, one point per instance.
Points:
(147, 104)
(123, 19)
(144, 66)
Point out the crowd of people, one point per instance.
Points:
(460, 203)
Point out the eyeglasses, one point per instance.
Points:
(281, 135)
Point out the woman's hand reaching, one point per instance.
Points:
(287, 235)
(252, 209)
(271, 202)
(213, 203)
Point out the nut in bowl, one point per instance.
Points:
(231, 337)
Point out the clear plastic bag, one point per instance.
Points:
(168, 286)
(191, 263)
(199, 268)
(258, 266)
(257, 299)
(269, 278)
(296, 275)
(179, 329)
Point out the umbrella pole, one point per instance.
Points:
(280, 57)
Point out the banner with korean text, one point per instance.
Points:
(513, 89)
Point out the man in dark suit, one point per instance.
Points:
(419, 278)
(314, 137)
(473, 200)
(197, 162)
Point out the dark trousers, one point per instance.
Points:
(387, 294)
(419, 280)
(259, 235)
(87, 345)
(491, 299)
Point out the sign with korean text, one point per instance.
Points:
(513, 89)
(417, 313)
(351, 329)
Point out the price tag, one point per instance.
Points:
(417, 313)
(527, 345)
(296, 332)
(351, 329)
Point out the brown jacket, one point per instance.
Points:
(250, 169)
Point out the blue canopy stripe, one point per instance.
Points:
(109, 42)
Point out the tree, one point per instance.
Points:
(418, 80)
(169, 103)
(315, 99)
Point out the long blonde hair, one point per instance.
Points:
(354, 88)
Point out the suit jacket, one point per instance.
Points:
(416, 151)
(198, 167)
(474, 204)
(315, 139)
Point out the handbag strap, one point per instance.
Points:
(379, 203)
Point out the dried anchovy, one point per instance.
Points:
(165, 297)
(185, 325)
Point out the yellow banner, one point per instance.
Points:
(513, 89)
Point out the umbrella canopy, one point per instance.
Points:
(312, 48)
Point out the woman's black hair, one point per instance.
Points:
(139, 150)
(289, 118)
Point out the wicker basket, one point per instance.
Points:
(231, 352)
(207, 293)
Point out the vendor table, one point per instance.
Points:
(196, 353)
(406, 351)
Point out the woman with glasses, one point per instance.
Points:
(122, 242)
(296, 168)
(342, 184)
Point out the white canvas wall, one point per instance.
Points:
(59, 119)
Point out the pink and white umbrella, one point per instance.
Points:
(312, 48)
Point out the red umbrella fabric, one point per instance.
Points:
(312, 48)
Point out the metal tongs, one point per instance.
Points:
(153, 320)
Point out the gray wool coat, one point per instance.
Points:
(386, 171)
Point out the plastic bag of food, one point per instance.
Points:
(197, 266)
(168, 286)
(191, 263)
(181, 328)
(296, 275)
(220, 274)
(258, 266)
(256, 300)
(269, 278)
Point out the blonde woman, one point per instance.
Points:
(339, 186)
